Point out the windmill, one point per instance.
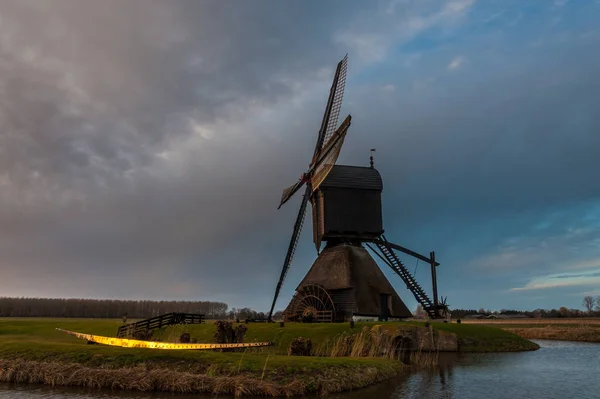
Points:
(345, 280)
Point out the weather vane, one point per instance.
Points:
(371, 158)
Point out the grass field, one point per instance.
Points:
(36, 352)
(37, 339)
(575, 329)
(472, 338)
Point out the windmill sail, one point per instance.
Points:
(323, 160)
(321, 167)
(290, 191)
(329, 155)
(337, 101)
(334, 105)
(292, 247)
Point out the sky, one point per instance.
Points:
(144, 144)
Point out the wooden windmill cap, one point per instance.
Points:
(356, 177)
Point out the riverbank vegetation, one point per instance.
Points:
(575, 333)
(575, 329)
(238, 382)
(31, 350)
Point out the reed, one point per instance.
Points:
(377, 342)
(241, 359)
(262, 376)
(423, 359)
(164, 380)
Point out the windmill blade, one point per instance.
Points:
(334, 106)
(329, 155)
(323, 164)
(290, 191)
(292, 246)
(328, 147)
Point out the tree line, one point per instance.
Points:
(106, 308)
(590, 304)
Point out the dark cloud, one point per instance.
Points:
(130, 138)
(145, 144)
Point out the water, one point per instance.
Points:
(558, 370)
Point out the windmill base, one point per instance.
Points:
(343, 282)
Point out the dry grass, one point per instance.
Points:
(143, 379)
(369, 342)
(588, 321)
(567, 329)
(557, 332)
(422, 359)
(376, 342)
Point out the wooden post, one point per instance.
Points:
(434, 279)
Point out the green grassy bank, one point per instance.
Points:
(31, 350)
(478, 338)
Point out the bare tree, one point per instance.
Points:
(419, 311)
(588, 303)
(598, 303)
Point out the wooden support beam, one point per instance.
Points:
(405, 250)
(434, 278)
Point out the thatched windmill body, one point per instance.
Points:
(345, 280)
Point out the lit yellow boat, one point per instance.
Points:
(135, 343)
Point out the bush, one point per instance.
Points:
(185, 338)
(300, 347)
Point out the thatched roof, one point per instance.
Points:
(346, 266)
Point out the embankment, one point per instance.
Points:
(32, 351)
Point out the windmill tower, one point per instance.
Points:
(345, 281)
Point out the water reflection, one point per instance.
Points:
(557, 370)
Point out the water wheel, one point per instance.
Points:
(312, 303)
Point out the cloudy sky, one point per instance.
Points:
(144, 144)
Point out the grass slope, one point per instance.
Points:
(42, 334)
(478, 338)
